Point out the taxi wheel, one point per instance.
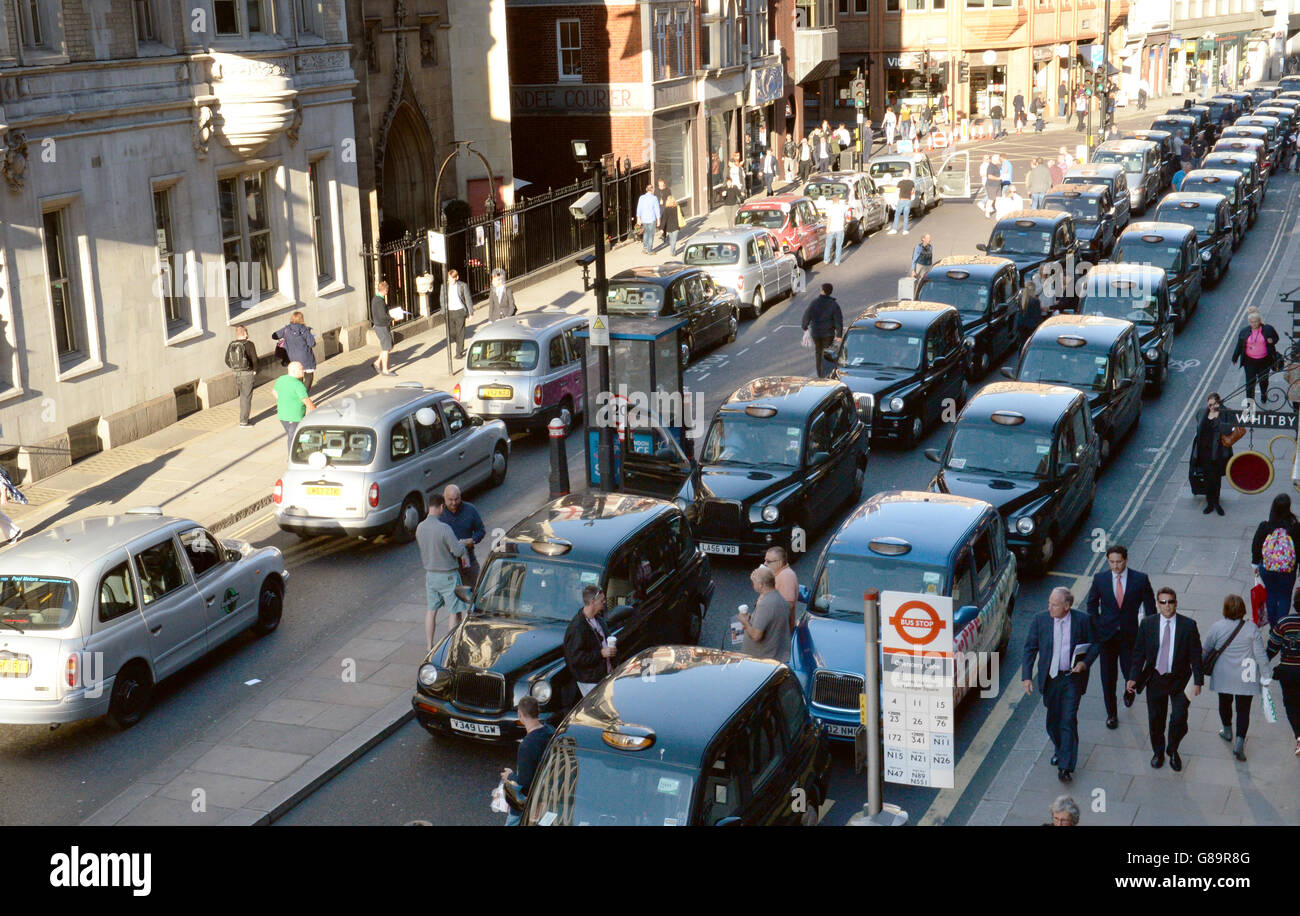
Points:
(131, 692)
(270, 607)
(695, 625)
(756, 308)
(982, 367)
(500, 464)
(915, 432)
(408, 518)
(1106, 449)
(1047, 552)
(684, 350)
(733, 327)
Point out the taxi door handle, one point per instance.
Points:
(210, 599)
(428, 471)
(156, 630)
(460, 454)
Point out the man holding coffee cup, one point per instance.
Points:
(589, 650)
(767, 630)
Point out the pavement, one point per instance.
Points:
(266, 755)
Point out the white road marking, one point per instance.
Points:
(704, 376)
(743, 352)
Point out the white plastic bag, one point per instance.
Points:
(499, 799)
(807, 339)
(1270, 710)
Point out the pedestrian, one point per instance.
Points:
(1080, 110)
(10, 531)
(1056, 171)
(1005, 173)
(672, 218)
(736, 171)
(995, 113)
(1167, 655)
(768, 170)
(844, 148)
(299, 345)
(1144, 90)
(1284, 639)
(442, 557)
(922, 258)
(822, 148)
(1010, 202)
(836, 219)
(1117, 601)
(501, 301)
(1061, 639)
(648, 215)
(1066, 159)
(1062, 99)
(531, 748)
(715, 178)
(787, 583)
(805, 159)
(1177, 180)
(1210, 453)
(1273, 554)
(868, 138)
(458, 306)
(467, 525)
(1036, 308)
(1065, 812)
(587, 649)
(291, 400)
(1020, 119)
(1036, 108)
(790, 159)
(1179, 147)
(661, 193)
(903, 208)
(992, 184)
(730, 203)
(383, 325)
(241, 357)
(1038, 181)
(767, 629)
(1256, 350)
(890, 125)
(1235, 657)
(823, 324)
(1293, 149)
(905, 126)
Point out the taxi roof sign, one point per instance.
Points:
(957, 274)
(1070, 340)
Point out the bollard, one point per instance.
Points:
(559, 478)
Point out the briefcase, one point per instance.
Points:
(1196, 477)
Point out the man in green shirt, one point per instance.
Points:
(291, 401)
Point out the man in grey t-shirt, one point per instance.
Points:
(442, 555)
(767, 630)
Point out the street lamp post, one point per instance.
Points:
(604, 431)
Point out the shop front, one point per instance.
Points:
(760, 126)
(919, 80)
(988, 83)
(674, 157)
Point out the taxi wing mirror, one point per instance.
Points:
(475, 420)
(232, 555)
(932, 454)
(1070, 469)
(732, 821)
(805, 594)
(464, 593)
(819, 458)
(1008, 372)
(981, 247)
(1124, 384)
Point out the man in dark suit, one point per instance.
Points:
(1059, 633)
(586, 649)
(1113, 603)
(501, 301)
(1168, 652)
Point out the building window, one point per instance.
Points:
(1001, 2)
(672, 34)
(814, 14)
(317, 185)
(756, 16)
(145, 27)
(939, 4)
(860, 6)
(231, 15)
(568, 46)
(891, 6)
(31, 23)
(68, 312)
(310, 17)
(246, 238)
(681, 28)
(226, 14)
(978, 4)
(915, 4)
(171, 267)
(256, 10)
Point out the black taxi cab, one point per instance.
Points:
(1136, 293)
(1100, 356)
(1165, 140)
(782, 452)
(1093, 209)
(904, 360)
(748, 753)
(1211, 216)
(1183, 126)
(1224, 109)
(1115, 178)
(1204, 122)
(988, 295)
(1032, 238)
(677, 290)
(638, 550)
(1247, 166)
(1031, 451)
(1253, 145)
(1248, 132)
(1285, 110)
(1173, 247)
(1275, 126)
(1231, 186)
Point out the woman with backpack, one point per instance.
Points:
(1272, 551)
(298, 345)
(1227, 646)
(1284, 638)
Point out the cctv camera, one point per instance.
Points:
(586, 206)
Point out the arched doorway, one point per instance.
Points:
(407, 194)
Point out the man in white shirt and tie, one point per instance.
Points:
(1167, 655)
(1117, 599)
(1060, 634)
(456, 304)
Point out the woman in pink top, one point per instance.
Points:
(1256, 351)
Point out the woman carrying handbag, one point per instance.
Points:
(1227, 646)
(1211, 449)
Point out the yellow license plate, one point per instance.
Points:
(324, 491)
(496, 392)
(15, 667)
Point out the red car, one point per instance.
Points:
(793, 219)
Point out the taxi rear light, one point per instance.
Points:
(740, 281)
(71, 672)
(624, 741)
(537, 395)
(277, 492)
(455, 392)
(372, 497)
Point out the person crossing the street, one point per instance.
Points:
(824, 324)
(922, 258)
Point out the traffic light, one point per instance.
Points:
(858, 90)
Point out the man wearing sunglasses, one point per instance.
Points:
(1167, 654)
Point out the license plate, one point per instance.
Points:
(324, 491)
(840, 731)
(730, 550)
(475, 728)
(498, 393)
(15, 667)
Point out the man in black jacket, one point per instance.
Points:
(1115, 599)
(586, 649)
(1167, 654)
(241, 356)
(825, 321)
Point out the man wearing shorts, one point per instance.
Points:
(383, 326)
(442, 556)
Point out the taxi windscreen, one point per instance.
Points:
(1082, 209)
(593, 788)
(1209, 187)
(969, 297)
(846, 578)
(526, 587)
(1202, 219)
(991, 449)
(819, 190)
(871, 348)
(737, 438)
(1074, 366)
(1131, 162)
(1014, 240)
(1157, 254)
(342, 445)
(767, 217)
(37, 602)
(1174, 127)
(1123, 304)
(705, 254)
(643, 299)
(503, 354)
(888, 170)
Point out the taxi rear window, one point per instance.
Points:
(708, 253)
(37, 602)
(504, 354)
(342, 445)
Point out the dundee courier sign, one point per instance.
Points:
(578, 98)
